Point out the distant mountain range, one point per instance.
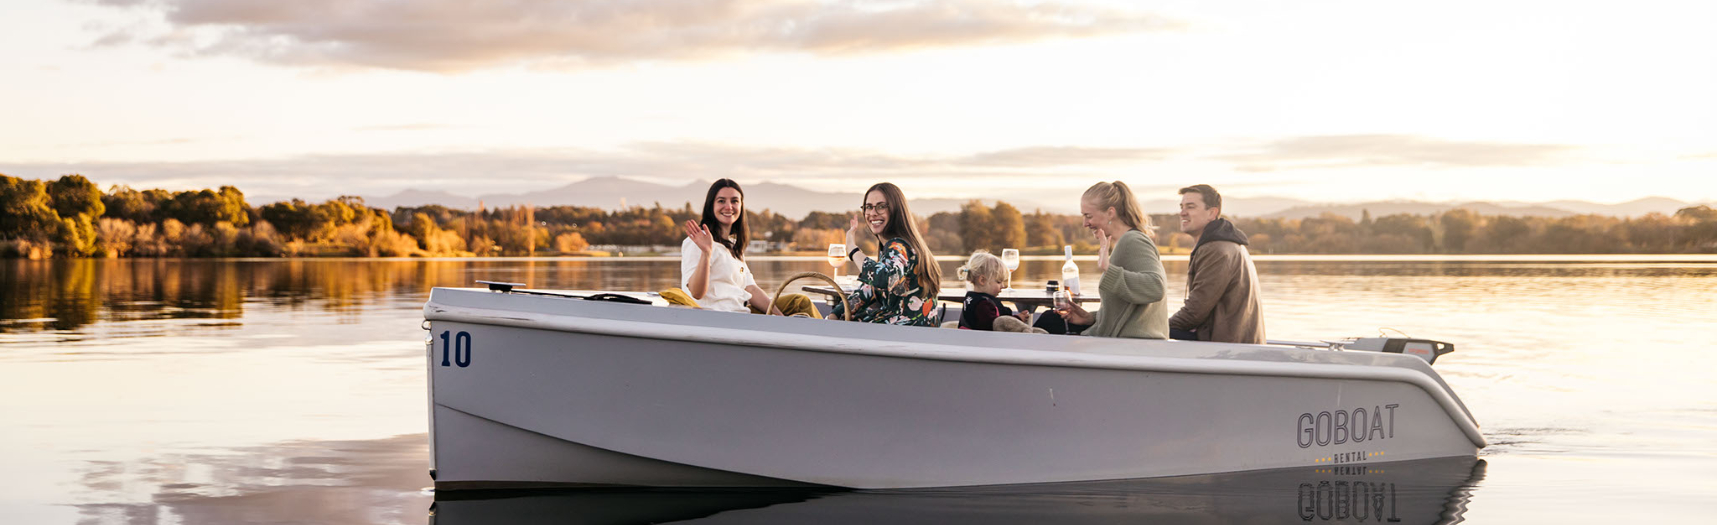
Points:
(615, 192)
(795, 202)
(1634, 208)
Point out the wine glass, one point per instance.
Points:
(837, 257)
(1010, 258)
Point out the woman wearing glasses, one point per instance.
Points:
(899, 286)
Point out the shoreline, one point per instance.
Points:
(1551, 257)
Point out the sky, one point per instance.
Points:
(1328, 101)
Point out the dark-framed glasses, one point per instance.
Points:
(880, 207)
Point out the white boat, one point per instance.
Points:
(535, 390)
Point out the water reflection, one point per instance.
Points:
(69, 294)
(138, 391)
(332, 482)
(1432, 491)
(66, 295)
(383, 480)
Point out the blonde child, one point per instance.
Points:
(983, 311)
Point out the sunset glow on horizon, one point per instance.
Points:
(1327, 101)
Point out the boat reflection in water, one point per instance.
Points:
(1423, 491)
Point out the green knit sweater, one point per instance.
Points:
(1131, 292)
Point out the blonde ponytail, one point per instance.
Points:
(1118, 196)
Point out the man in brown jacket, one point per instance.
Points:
(1221, 283)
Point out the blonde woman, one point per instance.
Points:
(1132, 286)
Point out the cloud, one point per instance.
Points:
(129, 143)
(1343, 151)
(324, 176)
(461, 35)
(1065, 156)
(755, 163)
(113, 39)
(418, 126)
(1021, 170)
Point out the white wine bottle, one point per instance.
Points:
(1070, 273)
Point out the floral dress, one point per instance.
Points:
(888, 291)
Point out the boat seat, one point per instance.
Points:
(946, 312)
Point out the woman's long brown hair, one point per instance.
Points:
(900, 225)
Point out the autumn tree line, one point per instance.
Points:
(73, 217)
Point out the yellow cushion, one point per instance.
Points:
(678, 297)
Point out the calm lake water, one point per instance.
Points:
(293, 391)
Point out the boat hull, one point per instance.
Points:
(557, 391)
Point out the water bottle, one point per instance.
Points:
(1070, 273)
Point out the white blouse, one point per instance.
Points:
(728, 278)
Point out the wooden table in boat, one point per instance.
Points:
(1033, 298)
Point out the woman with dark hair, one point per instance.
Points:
(712, 260)
(900, 285)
